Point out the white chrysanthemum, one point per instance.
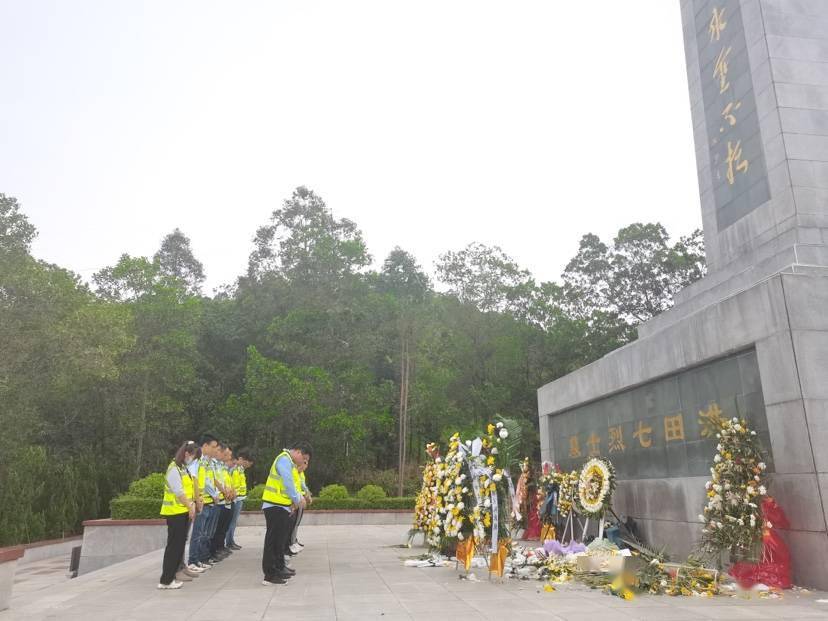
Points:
(503, 434)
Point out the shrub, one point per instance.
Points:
(151, 486)
(252, 504)
(371, 492)
(353, 504)
(386, 479)
(133, 508)
(333, 492)
(256, 492)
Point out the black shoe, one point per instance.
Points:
(273, 580)
(234, 546)
(285, 575)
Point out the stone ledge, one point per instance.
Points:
(51, 542)
(111, 522)
(11, 553)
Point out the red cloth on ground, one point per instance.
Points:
(774, 569)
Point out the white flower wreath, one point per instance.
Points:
(595, 485)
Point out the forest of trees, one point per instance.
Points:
(100, 381)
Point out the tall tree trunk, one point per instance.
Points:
(403, 423)
(142, 426)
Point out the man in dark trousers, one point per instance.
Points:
(224, 483)
(281, 498)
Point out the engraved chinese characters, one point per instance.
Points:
(737, 161)
(661, 429)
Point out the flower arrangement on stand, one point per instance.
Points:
(737, 486)
(426, 515)
(596, 483)
(567, 494)
(456, 500)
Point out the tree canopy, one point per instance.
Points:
(101, 381)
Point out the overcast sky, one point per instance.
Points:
(431, 124)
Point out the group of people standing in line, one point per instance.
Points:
(205, 486)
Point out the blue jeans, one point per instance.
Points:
(209, 530)
(231, 529)
(199, 535)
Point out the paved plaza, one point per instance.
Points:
(351, 572)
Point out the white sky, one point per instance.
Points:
(432, 124)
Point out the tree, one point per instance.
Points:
(175, 258)
(158, 372)
(488, 278)
(304, 242)
(402, 278)
(16, 232)
(634, 279)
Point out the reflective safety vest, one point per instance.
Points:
(205, 473)
(171, 505)
(274, 491)
(219, 473)
(239, 482)
(302, 483)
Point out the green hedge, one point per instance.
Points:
(151, 486)
(333, 492)
(132, 508)
(320, 504)
(371, 492)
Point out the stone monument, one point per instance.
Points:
(751, 338)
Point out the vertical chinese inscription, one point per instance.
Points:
(737, 159)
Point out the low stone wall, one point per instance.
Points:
(333, 517)
(9, 558)
(41, 550)
(106, 542)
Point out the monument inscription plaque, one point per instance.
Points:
(737, 159)
(658, 430)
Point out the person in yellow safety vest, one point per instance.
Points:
(178, 507)
(205, 520)
(227, 494)
(243, 462)
(294, 547)
(281, 498)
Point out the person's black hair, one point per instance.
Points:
(208, 438)
(188, 448)
(303, 447)
(244, 453)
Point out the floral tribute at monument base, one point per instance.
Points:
(469, 507)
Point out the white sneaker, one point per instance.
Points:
(205, 566)
(296, 548)
(196, 568)
(175, 584)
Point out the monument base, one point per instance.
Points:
(761, 354)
